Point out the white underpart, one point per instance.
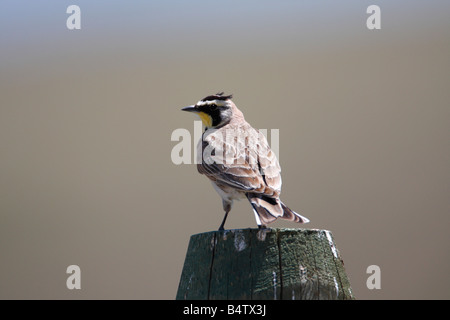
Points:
(229, 196)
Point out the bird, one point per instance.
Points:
(239, 161)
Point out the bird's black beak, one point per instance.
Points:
(190, 109)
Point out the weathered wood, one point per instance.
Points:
(256, 264)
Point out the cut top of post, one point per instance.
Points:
(264, 264)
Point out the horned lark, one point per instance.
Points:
(239, 162)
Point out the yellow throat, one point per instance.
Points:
(206, 119)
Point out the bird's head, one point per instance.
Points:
(214, 111)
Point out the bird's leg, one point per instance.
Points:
(221, 228)
(227, 208)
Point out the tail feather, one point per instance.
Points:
(291, 215)
(262, 215)
(268, 209)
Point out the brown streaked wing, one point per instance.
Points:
(268, 162)
(244, 171)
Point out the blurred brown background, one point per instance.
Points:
(86, 118)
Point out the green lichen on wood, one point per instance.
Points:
(298, 265)
(265, 261)
(231, 269)
(263, 264)
(195, 278)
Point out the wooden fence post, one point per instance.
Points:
(263, 264)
